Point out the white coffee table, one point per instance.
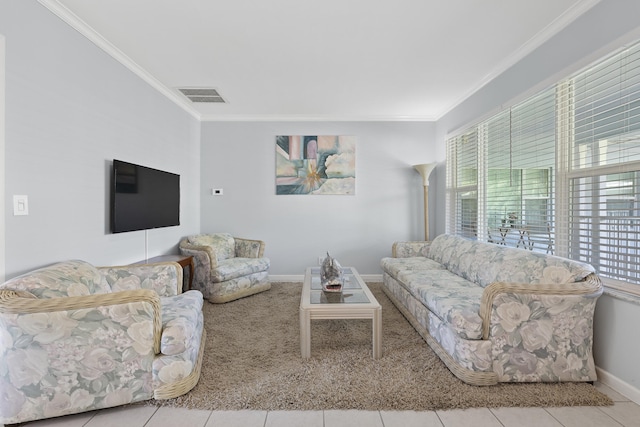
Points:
(355, 302)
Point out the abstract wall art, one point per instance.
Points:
(315, 164)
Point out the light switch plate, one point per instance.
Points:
(217, 192)
(20, 205)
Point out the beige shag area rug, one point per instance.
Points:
(252, 361)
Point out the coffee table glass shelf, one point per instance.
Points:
(354, 302)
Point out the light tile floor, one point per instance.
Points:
(623, 413)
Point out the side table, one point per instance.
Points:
(183, 260)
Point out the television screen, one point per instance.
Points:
(143, 198)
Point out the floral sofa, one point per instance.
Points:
(227, 268)
(75, 338)
(497, 314)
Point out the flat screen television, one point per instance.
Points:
(143, 198)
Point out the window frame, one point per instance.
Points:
(565, 174)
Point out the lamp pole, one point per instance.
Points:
(425, 170)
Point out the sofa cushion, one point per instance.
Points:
(441, 248)
(466, 258)
(452, 298)
(411, 249)
(223, 244)
(161, 278)
(237, 267)
(484, 263)
(393, 266)
(517, 265)
(64, 279)
(246, 248)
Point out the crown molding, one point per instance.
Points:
(561, 22)
(311, 118)
(83, 28)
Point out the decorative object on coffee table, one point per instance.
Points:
(331, 276)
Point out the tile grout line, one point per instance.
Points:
(151, 416)
(496, 417)
(208, 418)
(604, 412)
(551, 415)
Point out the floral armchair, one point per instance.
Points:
(76, 338)
(227, 267)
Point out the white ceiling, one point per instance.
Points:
(323, 59)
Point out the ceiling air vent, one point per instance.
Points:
(202, 95)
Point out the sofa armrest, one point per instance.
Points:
(204, 260)
(206, 254)
(94, 349)
(164, 277)
(555, 297)
(140, 305)
(410, 249)
(248, 248)
(181, 322)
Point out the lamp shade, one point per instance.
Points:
(425, 170)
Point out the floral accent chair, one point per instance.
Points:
(76, 338)
(226, 267)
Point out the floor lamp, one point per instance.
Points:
(425, 170)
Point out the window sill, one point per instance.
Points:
(621, 290)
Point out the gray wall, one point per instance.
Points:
(585, 40)
(70, 110)
(358, 230)
(2, 167)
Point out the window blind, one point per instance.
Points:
(519, 174)
(558, 173)
(462, 184)
(604, 175)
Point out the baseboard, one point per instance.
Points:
(286, 278)
(622, 387)
(300, 278)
